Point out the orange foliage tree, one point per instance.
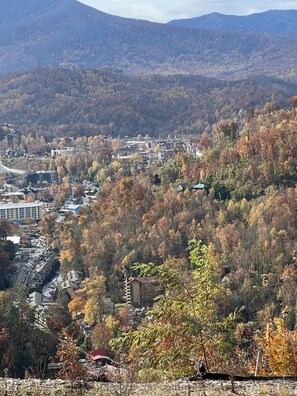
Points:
(279, 350)
(71, 369)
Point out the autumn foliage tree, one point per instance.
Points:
(278, 350)
(96, 293)
(90, 300)
(6, 255)
(22, 346)
(104, 332)
(184, 325)
(293, 101)
(226, 128)
(77, 304)
(68, 355)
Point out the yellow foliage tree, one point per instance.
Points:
(95, 306)
(279, 350)
(65, 257)
(93, 311)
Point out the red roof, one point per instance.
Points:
(143, 279)
(98, 354)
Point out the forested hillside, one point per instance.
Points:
(59, 102)
(7, 252)
(224, 258)
(248, 217)
(220, 292)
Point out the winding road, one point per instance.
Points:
(11, 170)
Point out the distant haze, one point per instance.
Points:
(164, 10)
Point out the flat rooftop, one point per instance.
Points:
(19, 205)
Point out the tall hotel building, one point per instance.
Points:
(21, 211)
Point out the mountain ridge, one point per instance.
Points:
(70, 34)
(271, 21)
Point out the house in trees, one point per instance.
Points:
(72, 282)
(201, 187)
(99, 357)
(197, 187)
(71, 208)
(140, 292)
(182, 187)
(35, 299)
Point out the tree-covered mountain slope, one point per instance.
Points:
(222, 298)
(66, 32)
(59, 101)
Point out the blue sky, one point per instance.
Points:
(166, 10)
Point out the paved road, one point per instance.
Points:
(11, 170)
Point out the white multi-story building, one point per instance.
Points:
(21, 211)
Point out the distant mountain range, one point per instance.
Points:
(66, 33)
(273, 21)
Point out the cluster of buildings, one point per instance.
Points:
(154, 149)
(16, 207)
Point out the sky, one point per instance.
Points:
(166, 10)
